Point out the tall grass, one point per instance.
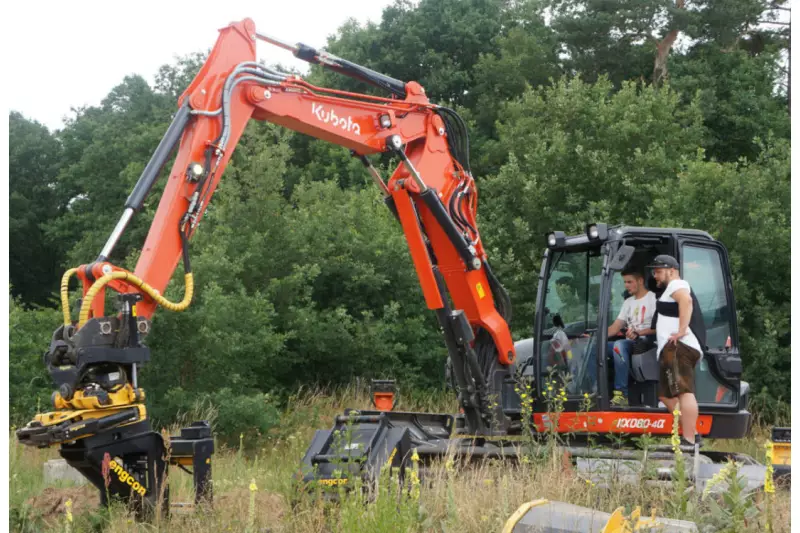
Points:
(254, 488)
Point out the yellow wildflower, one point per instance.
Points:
(769, 483)
(719, 477)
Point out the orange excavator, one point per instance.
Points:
(100, 421)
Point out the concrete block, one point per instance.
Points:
(58, 470)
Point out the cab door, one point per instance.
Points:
(704, 264)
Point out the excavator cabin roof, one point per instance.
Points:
(598, 233)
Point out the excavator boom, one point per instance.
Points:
(432, 192)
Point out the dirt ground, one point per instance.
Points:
(51, 503)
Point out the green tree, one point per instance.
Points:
(34, 157)
(631, 39)
(737, 92)
(578, 152)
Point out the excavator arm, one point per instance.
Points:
(432, 193)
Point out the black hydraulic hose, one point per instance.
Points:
(454, 212)
(159, 158)
(187, 266)
(464, 133)
(461, 212)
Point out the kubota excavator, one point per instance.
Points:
(100, 421)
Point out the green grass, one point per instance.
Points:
(451, 498)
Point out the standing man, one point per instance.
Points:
(680, 334)
(636, 315)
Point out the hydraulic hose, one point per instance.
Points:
(147, 289)
(65, 295)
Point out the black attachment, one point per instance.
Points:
(159, 158)
(125, 464)
(359, 444)
(781, 434)
(97, 343)
(196, 445)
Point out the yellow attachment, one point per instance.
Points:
(65, 295)
(616, 522)
(138, 282)
(59, 417)
(782, 453)
(519, 513)
(121, 398)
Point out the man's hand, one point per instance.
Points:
(675, 336)
(631, 334)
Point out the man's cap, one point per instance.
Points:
(664, 261)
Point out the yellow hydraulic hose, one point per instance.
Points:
(65, 294)
(150, 291)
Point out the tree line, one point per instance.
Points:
(655, 112)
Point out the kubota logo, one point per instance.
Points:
(639, 423)
(126, 478)
(330, 117)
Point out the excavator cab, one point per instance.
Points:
(580, 294)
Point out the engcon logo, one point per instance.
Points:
(639, 423)
(333, 482)
(330, 117)
(126, 478)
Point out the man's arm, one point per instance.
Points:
(684, 300)
(613, 329)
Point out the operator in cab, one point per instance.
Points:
(633, 323)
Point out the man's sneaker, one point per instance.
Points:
(697, 440)
(619, 399)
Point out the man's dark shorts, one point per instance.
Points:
(676, 370)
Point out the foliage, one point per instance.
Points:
(29, 388)
(234, 416)
(33, 161)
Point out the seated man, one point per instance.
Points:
(636, 316)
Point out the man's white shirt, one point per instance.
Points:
(638, 314)
(668, 325)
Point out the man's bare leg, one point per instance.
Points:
(689, 414)
(670, 403)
